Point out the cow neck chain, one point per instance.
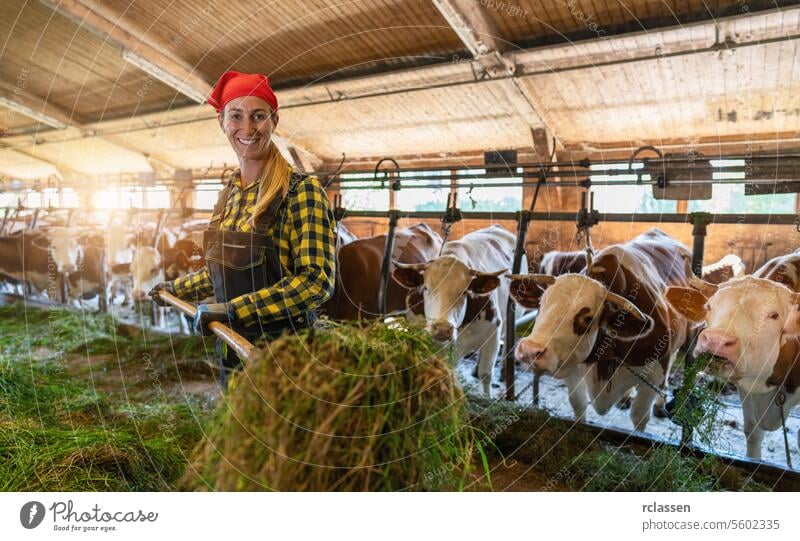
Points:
(780, 400)
(644, 380)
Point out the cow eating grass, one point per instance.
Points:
(747, 320)
(464, 297)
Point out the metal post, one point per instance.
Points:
(63, 286)
(394, 216)
(509, 367)
(700, 221)
(102, 302)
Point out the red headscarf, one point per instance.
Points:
(233, 85)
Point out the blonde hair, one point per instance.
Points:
(273, 182)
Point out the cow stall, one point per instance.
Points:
(672, 176)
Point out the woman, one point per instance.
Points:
(270, 246)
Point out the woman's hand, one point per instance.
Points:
(163, 286)
(223, 312)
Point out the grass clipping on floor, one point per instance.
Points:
(347, 407)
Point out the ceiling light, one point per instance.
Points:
(36, 115)
(164, 76)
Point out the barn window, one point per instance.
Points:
(8, 199)
(493, 199)
(626, 197)
(206, 194)
(359, 196)
(69, 198)
(432, 197)
(156, 197)
(730, 198)
(32, 199)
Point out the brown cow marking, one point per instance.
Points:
(582, 321)
(787, 367)
(477, 307)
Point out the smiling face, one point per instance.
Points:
(248, 122)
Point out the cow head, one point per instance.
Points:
(146, 271)
(64, 249)
(747, 320)
(572, 310)
(445, 283)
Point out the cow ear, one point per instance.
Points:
(526, 292)
(622, 325)
(408, 277)
(687, 301)
(484, 283)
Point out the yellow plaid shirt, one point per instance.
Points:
(307, 252)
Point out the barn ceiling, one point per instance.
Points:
(79, 95)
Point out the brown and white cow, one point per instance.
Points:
(464, 298)
(750, 325)
(611, 314)
(358, 273)
(25, 258)
(150, 266)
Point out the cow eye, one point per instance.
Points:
(774, 315)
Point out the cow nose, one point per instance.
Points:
(442, 331)
(138, 295)
(532, 353)
(68, 268)
(719, 343)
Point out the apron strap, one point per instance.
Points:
(278, 206)
(219, 207)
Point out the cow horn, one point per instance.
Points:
(545, 279)
(495, 273)
(412, 266)
(702, 286)
(626, 305)
(541, 279)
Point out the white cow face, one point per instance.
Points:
(146, 271)
(572, 310)
(64, 248)
(745, 320)
(445, 284)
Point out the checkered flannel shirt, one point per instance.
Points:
(307, 248)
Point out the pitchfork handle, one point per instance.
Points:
(240, 345)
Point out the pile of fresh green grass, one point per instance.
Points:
(348, 407)
(564, 450)
(60, 432)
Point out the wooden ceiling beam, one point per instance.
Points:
(156, 59)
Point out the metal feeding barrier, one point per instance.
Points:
(683, 175)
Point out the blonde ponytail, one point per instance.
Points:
(274, 181)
